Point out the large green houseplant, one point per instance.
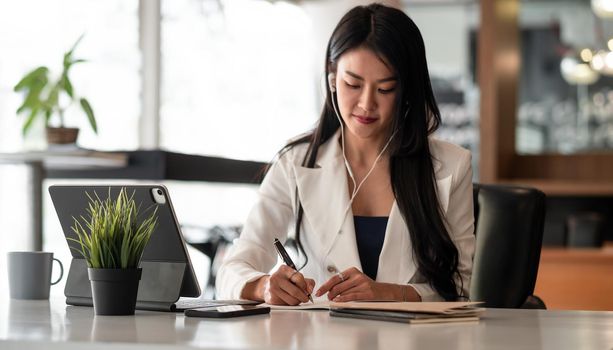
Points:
(112, 238)
(47, 97)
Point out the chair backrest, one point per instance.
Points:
(509, 232)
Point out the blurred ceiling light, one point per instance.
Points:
(610, 44)
(603, 62)
(575, 72)
(598, 61)
(586, 55)
(603, 8)
(608, 60)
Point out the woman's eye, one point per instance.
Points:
(352, 86)
(387, 91)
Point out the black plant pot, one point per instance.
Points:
(114, 290)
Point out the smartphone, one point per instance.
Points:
(227, 311)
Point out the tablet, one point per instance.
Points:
(167, 270)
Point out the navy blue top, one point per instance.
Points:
(369, 234)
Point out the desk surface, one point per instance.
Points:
(53, 325)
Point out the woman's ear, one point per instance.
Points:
(332, 82)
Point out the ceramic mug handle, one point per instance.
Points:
(61, 272)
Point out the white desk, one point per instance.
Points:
(53, 325)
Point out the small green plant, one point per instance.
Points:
(111, 237)
(42, 95)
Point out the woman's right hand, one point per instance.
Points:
(285, 286)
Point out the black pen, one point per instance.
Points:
(286, 259)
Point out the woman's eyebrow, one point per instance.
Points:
(393, 78)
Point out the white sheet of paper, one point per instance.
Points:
(317, 305)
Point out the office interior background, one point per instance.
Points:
(238, 78)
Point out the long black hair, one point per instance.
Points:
(395, 38)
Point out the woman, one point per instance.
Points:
(379, 210)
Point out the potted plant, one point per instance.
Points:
(112, 239)
(47, 97)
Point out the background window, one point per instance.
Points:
(110, 79)
(237, 77)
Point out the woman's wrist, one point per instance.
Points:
(254, 290)
(404, 292)
(391, 291)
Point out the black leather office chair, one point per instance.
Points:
(509, 230)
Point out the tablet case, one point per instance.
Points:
(167, 271)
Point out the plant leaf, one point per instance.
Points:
(33, 83)
(74, 46)
(28, 123)
(115, 236)
(87, 108)
(32, 98)
(68, 55)
(31, 77)
(67, 85)
(52, 99)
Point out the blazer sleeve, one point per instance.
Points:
(252, 255)
(460, 222)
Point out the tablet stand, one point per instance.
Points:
(159, 288)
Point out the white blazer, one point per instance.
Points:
(328, 237)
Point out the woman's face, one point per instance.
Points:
(366, 91)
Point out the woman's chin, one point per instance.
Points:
(369, 131)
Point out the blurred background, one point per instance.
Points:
(236, 79)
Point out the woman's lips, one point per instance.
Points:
(364, 120)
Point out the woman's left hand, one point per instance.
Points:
(352, 284)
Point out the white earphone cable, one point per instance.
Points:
(356, 187)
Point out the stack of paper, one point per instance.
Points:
(409, 312)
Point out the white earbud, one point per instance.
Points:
(331, 85)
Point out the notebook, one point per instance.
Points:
(401, 316)
(409, 312)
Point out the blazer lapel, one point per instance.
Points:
(396, 259)
(324, 196)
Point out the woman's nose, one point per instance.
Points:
(368, 99)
